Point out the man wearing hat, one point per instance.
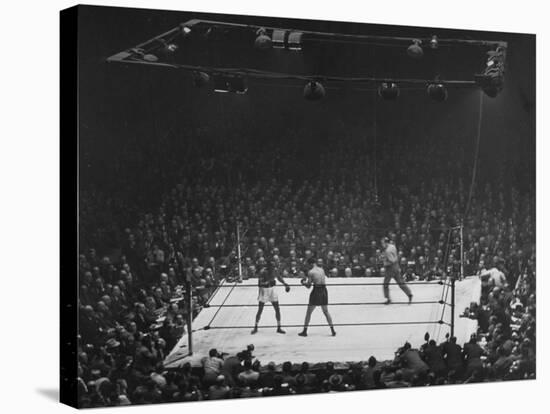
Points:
(391, 264)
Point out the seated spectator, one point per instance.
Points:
(433, 356)
(212, 365)
(398, 381)
(309, 378)
(377, 379)
(248, 376)
(219, 390)
(287, 375)
(232, 366)
(503, 363)
(452, 354)
(472, 356)
(410, 362)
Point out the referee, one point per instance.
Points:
(391, 263)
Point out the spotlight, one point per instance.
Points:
(434, 42)
(415, 50)
(388, 91)
(227, 83)
(437, 91)
(295, 41)
(168, 51)
(200, 79)
(491, 85)
(185, 31)
(263, 41)
(491, 81)
(171, 47)
(279, 38)
(314, 91)
(149, 57)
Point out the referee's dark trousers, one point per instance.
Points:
(393, 271)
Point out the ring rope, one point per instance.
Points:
(445, 283)
(223, 303)
(439, 282)
(249, 305)
(207, 327)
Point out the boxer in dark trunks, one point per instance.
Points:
(318, 296)
(267, 277)
(391, 263)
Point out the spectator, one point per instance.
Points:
(212, 365)
(219, 390)
(433, 356)
(410, 362)
(248, 377)
(472, 356)
(452, 354)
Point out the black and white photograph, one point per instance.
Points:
(271, 206)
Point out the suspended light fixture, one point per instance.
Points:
(437, 91)
(415, 50)
(295, 41)
(168, 48)
(149, 57)
(314, 91)
(278, 38)
(388, 90)
(171, 47)
(185, 31)
(263, 41)
(491, 86)
(491, 81)
(228, 83)
(200, 79)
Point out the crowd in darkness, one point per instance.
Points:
(290, 205)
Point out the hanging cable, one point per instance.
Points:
(474, 172)
(375, 127)
(375, 154)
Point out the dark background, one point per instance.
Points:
(138, 107)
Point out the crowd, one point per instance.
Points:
(132, 303)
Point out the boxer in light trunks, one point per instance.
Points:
(267, 277)
(391, 263)
(318, 296)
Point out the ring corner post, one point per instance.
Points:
(461, 250)
(239, 258)
(453, 306)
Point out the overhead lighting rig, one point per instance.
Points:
(163, 50)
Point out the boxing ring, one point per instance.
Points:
(364, 325)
